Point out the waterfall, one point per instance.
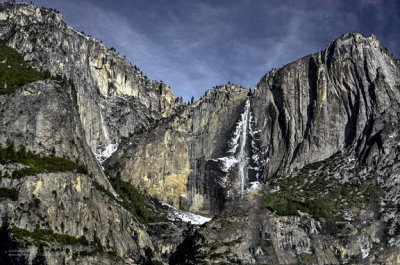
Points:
(242, 155)
(239, 155)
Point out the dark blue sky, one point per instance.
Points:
(195, 45)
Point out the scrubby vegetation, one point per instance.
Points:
(36, 163)
(145, 208)
(313, 190)
(133, 199)
(15, 72)
(46, 237)
(41, 236)
(11, 194)
(303, 259)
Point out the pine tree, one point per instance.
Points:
(11, 154)
(40, 258)
(5, 236)
(9, 246)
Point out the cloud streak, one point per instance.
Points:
(195, 45)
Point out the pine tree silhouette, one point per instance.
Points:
(40, 258)
(5, 241)
(11, 252)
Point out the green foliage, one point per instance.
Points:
(352, 260)
(320, 196)
(145, 208)
(15, 72)
(97, 243)
(132, 199)
(8, 244)
(70, 240)
(112, 253)
(101, 188)
(151, 120)
(37, 164)
(9, 193)
(303, 259)
(39, 236)
(40, 258)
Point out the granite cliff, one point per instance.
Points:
(114, 98)
(100, 165)
(328, 125)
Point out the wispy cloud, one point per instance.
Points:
(194, 45)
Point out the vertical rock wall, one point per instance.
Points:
(326, 102)
(115, 100)
(176, 160)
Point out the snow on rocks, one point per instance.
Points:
(254, 185)
(103, 156)
(187, 217)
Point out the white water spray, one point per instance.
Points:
(239, 155)
(242, 156)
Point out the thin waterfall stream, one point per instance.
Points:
(238, 154)
(242, 156)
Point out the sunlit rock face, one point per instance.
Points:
(178, 160)
(345, 98)
(115, 100)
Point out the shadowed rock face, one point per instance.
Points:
(344, 98)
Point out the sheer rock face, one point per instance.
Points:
(346, 97)
(44, 117)
(70, 205)
(115, 100)
(175, 161)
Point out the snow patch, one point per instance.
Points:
(79, 33)
(187, 217)
(254, 185)
(103, 156)
(365, 245)
(365, 252)
(227, 162)
(347, 216)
